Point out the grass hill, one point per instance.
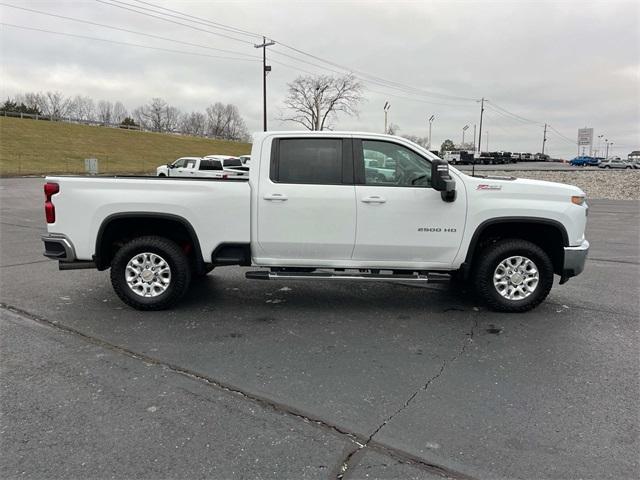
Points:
(33, 147)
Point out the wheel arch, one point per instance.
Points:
(121, 227)
(547, 233)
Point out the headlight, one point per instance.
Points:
(578, 199)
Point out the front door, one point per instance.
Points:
(401, 219)
(306, 202)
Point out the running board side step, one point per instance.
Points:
(265, 275)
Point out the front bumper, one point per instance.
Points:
(574, 260)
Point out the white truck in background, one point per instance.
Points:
(312, 210)
(211, 166)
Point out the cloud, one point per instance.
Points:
(569, 64)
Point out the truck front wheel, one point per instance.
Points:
(513, 275)
(150, 273)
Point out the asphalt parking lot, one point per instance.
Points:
(292, 380)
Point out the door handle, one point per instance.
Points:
(374, 199)
(275, 196)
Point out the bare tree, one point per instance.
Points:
(119, 113)
(82, 108)
(314, 101)
(224, 121)
(157, 116)
(105, 112)
(193, 123)
(171, 119)
(55, 105)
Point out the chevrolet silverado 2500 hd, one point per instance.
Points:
(310, 209)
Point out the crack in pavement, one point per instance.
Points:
(267, 403)
(24, 263)
(346, 463)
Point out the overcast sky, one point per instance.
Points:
(567, 63)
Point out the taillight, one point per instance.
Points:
(50, 209)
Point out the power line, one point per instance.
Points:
(364, 75)
(159, 37)
(182, 52)
(218, 25)
(170, 21)
(573, 142)
(514, 115)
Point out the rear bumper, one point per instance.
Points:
(574, 260)
(58, 247)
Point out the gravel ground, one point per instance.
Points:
(620, 185)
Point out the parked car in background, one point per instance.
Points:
(231, 165)
(615, 163)
(193, 167)
(541, 157)
(584, 161)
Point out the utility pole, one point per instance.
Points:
(431, 118)
(386, 108)
(265, 69)
(480, 130)
(544, 138)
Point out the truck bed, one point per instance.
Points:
(84, 203)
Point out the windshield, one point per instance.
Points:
(232, 162)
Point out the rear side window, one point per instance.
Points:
(210, 165)
(308, 160)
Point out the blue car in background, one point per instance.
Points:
(585, 161)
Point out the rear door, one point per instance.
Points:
(402, 221)
(306, 202)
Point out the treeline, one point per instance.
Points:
(217, 121)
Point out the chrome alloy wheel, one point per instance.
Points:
(515, 278)
(148, 274)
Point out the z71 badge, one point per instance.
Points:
(486, 186)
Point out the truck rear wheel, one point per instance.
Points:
(150, 273)
(513, 275)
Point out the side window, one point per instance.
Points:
(210, 165)
(180, 163)
(190, 164)
(390, 164)
(308, 160)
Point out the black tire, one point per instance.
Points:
(162, 175)
(171, 253)
(489, 259)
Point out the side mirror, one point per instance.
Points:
(441, 180)
(170, 165)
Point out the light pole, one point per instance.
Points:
(431, 118)
(606, 142)
(386, 108)
(464, 129)
(599, 139)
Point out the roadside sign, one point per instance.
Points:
(91, 166)
(585, 137)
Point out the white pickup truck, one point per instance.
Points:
(311, 210)
(211, 166)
